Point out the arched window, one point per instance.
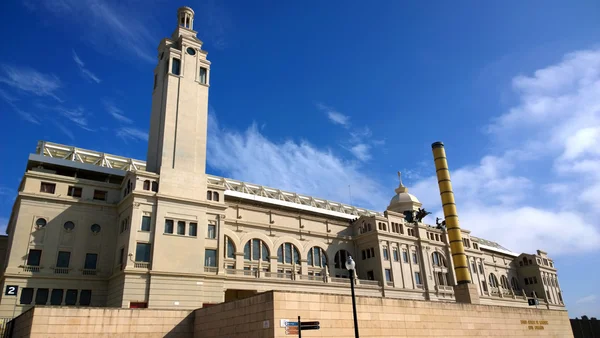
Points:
(493, 280)
(209, 195)
(525, 260)
(317, 257)
(340, 259)
(155, 186)
(504, 282)
(216, 196)
(229, 251)
(147, 185)
(288, 253)
(441, 279)
(40, 223)
(255, 250)
(438, 259)
(514, 283)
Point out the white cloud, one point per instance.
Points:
(334, 116)
(293, 166)
(117, 113)
(31, 81)
(587, 299)
(129, 133)
(106, 25)
(88, 74)
(554, 128)
(361, 151)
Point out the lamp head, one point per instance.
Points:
(350, 264)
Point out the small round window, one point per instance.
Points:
(191, 51)
(40, 223)
(69, 225)
(95, 228)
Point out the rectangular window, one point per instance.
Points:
(56, 297)
(210, 257)
(181, 228)
(74, 191)
(395, 254)
(142, 252)
(480, 269)
(484, 286)
(405, 256)
(418, 278)
(364, 255)
(85, 298)
(545, 261)
(176, 66)
(41, 297)
(373, 252)
(47, 188)
(534, 280)
(370, 275)
(415, 258)
(91, 260)
(26, 296)
(212, 233)
(203, 72)
(63, 259)
(388, 275)
(385, 254)
(526, 281)
(473, 267)
(34, 257)
(368, 253)
(71, 297)
(193, 229)
(146, 223)
(122, 258)
(168, 226)
(100, 195)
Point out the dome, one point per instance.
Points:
(404, 197)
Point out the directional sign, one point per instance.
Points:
(303, 324)
(291, 330)
(11, 290)
(309, 327)
(292, 324)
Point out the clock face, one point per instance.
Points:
(191, 51)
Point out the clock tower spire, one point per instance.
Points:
(178, 123)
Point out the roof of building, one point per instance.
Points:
(114, 164)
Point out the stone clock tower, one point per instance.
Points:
(178, 125)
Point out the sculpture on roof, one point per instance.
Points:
(440, 225)
(420, 214)
(400, 178)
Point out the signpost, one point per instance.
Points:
(12, 290)
(296, 328)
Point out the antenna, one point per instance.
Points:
(350, 192)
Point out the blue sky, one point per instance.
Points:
(332, 99)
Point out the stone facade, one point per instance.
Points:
(93, 229)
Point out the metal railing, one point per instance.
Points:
(444, 288)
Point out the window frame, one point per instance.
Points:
(72, 191)
(147, 251)
(149, 223)
(39, 257)
(45, 186)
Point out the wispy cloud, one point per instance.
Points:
(106, 25)
(294, 166)
(88, 74)
(587, 299)
(134, 134)
(65, 130)
(334, 116)
(78, 115)
(31, 81)
(11, 101)
(361, 151)
(553, 125)
(117, 113)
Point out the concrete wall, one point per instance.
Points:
(261, 316)
(384, 317)
(90, 322)
(250, 317)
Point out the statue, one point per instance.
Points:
(400, 178)
(420, 214)
(440, 225)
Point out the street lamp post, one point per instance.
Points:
(350, 265)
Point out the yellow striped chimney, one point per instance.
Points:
(461, 266)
